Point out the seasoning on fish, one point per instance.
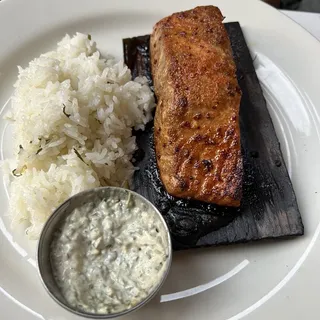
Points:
(197, 133)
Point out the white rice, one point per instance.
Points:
(73, 116)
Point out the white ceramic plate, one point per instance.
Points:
(279, 279)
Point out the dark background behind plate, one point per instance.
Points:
(269, 208)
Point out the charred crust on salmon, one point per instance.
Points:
(194, 78)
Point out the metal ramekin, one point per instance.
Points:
(53, 223)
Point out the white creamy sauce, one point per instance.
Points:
(108, 256)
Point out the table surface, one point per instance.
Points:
(309, 21)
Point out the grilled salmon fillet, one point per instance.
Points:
(197, 134)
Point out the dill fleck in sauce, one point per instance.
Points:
(108, 256)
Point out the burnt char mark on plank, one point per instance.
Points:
(268, 209)
(137, 57)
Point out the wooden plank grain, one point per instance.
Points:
(269, 208)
